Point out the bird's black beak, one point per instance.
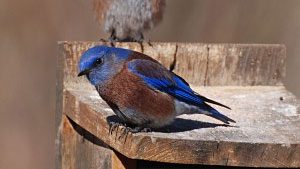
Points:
(84, 72)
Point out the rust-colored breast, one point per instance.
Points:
(128, 91)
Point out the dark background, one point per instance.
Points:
(30, 29)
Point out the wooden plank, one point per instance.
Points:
(191, 62)
(195, 139)
(59, 101)
(245, 64)
(266, 133)
(82, 150)
(202, 64)
(119, 161)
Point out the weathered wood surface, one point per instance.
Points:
(266, 133)
(80, 149)
(267, 130)
(203, 64)
(119, 161)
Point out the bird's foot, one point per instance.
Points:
(139, 38)
(124, 133)
(142, 46)
(140, 129)
(113, 38)
(110, 40)
(103, 40)
(149, 43)
(114, 126)
(126, 130)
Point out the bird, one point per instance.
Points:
(140, 90)
(127, 20)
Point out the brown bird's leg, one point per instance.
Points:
(149, 43)
(103, 40)
(139, 39)
(142, 46)
(112, 39)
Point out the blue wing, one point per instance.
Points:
(159, 78)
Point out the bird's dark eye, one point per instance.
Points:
(98, 62)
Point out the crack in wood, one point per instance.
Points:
(227, 159)
(173, 64)
(206, 70)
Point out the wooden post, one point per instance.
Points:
(246, 77)
(119, 161)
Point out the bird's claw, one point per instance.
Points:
(103, 40)
(114, 126)
(110, 40)
(124, 133)
(125, 130)
(149, 43)
(140, 129)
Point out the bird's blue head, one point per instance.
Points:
(100, 63)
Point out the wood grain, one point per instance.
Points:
(82, 150)
(233, 64)
(268, 122)
(266, 133)
(202, 64)
(119, 161)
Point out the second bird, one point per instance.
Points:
(127, 20)
(140, 90)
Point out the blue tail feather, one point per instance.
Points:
(216, 114)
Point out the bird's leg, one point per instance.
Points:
(149, 43)
(111, 42)
(103, 40)
(112, 39)
(113, 35)
(139, 39)
(142, 46)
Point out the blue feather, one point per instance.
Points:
(159, 78)
(167, 81)
(179, 89)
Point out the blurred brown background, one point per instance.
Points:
(30, 30)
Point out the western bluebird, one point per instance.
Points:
(140, 90)
(126, 20)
